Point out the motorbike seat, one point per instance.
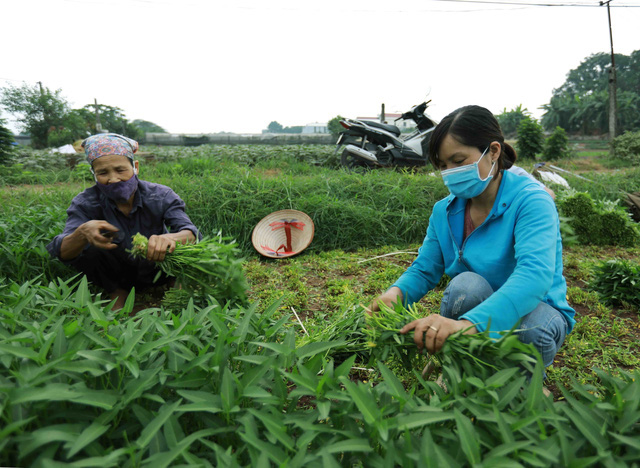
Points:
(389, 128)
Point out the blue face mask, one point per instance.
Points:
(465, 181)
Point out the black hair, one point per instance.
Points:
(471, 126)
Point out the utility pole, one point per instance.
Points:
(98, 124)
(612, 81)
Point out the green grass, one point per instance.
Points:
(208, 384)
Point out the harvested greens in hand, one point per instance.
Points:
(211, 266)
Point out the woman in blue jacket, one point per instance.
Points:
(497, 235)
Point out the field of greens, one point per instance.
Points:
(295, 373)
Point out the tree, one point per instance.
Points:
(38, 110)
(509, 120)
(530, 138)
(111, 119)
(581, 104)
(334, 125)
(148, 127)
(274, 127)
(6, 142)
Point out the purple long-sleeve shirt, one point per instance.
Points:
(156, 210)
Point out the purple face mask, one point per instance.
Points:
(119, 192)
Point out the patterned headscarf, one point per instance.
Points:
(105, 144)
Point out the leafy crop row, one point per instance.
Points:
(214, 386)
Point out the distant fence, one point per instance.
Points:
(172, 139)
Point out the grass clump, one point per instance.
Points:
(618, 283)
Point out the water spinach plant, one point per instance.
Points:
(227, 386)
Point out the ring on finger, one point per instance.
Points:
(433, 328)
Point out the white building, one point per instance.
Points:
(315, 128)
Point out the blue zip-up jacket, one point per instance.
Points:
(517, 249)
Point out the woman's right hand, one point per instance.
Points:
(93, 232)
(390, 297)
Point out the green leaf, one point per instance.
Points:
(393, 383)
(14, 426)
(275, 427)
(626, 440)
(129, 303)
(47, 435)
(164, 459)
(82, 295)
(364, 400)
(87, 436)
(426, 416)
(312, 349)
(136, 387)
(227, 391)
(63, 392)
(587, 425)
(154, 426)
(349, 445)
(20, 351)
(468, 437)
(130, 342)
(81, 367)
(276, 454)
(501, 377)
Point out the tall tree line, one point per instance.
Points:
(581, 104)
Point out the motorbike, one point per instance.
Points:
(370, 144)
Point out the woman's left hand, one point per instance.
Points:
(159, 247)
(432, 331)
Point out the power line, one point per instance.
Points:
(188, 3)
(489, 2)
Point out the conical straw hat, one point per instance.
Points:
(283, 234)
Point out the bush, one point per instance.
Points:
(6, 143)
(627, 147)
(618, 282)
(59, 137)
(530, 138)
(598, 224)
(556, 146)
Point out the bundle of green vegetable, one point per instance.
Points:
(372, 336)
(348, 326)
(376, 337)
(209, 267)
(384, 338)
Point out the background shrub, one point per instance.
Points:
(598, 224)
(530, 138)
(627, 147)
(6, 142)
(556, 146)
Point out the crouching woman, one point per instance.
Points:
(102, 220)
(497, 235)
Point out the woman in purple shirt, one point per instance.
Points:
(102, 220)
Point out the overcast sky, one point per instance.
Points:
(208, 66)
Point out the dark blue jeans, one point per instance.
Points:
(544, 327)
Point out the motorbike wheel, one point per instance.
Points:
(353, 163)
